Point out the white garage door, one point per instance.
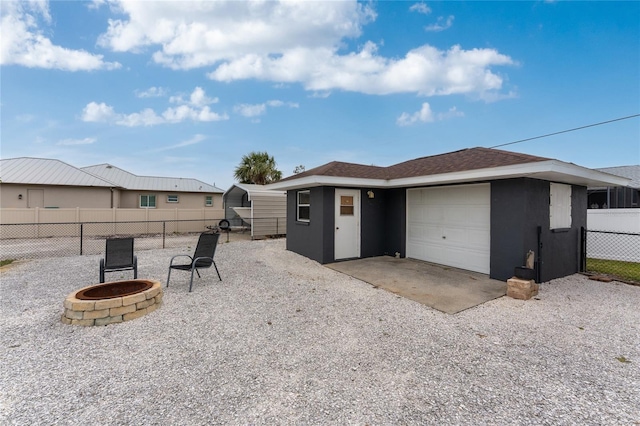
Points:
(450, 226)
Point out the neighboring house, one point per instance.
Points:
(46, 183)
(617, 197)
(477, 209)
(264, 210)
(158, 192)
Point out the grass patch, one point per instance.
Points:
(625, 270)
(6, 262)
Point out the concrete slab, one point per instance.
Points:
(446, 289)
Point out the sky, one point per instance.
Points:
(186, 88)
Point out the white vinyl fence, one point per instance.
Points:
(103, 221)
(621, 237)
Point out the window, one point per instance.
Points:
(172, 198)
(304, 205)
(346, 205)
(148, 201)
(208, 201)
(559, 206)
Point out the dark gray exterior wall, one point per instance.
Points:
(383, 222)
(518, 207)
(382, 226)
(313, 239)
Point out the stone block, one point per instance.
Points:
(133, 299)
(134, 315)
(83, 322)
(116, 302)
(152, 308)
(65, 320)
(521, 289)
(78, 305)
(114, 312)
(96, 314)
(153, 291)
(159, 297)
(74, 314)
(108, 320)
(145, 304)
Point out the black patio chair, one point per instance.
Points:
(202, 258)
(119, 256)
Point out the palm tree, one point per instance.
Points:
(258, 168)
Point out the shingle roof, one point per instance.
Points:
(631, 172)
(457, 161)
(44, 171)
(149, 183)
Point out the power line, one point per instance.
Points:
(567, 131)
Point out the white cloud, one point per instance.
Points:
(151, 92)
(193, 111)
(424, 70)
(426, 115)
(192, 141)
(420, 8)
(286, 42)
(97, 112)
(255, 110)
(24, 43)
(198, 98)
(441, 25)
(85, 141)
(147, 117)
(247, 110)
(320, 95)
(207, 32)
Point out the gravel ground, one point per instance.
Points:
(283, 340)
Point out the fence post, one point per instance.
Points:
(164, 231)
(81, 233)
(583, 249)
(539, 256)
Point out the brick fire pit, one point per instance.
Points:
(112, 302)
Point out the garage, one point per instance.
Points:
(450, 226)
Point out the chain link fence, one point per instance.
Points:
(616, 254)
(39, 240)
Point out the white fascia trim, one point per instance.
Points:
(548, 170)
(319, 180)
(565, 172)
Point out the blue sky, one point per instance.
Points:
(186, 88)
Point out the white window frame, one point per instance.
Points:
(148, 196)
(559, 206)
(299, 204)
(169, 200)
(208, 200)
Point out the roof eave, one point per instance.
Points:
(551, 170)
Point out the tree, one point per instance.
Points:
(299, 169)
(258, 168)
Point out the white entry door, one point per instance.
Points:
(347, 232)
(450, 226)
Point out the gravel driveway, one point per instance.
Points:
(283, 340)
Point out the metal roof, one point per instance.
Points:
(249, 188)
(629, 172)
(43, 171)
(149, 183)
